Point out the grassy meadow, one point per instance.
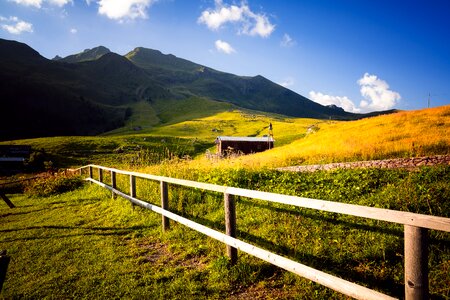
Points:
(83, 244)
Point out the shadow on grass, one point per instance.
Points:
(18, 213)
(345, 268)
(100, 231)
(334, 221)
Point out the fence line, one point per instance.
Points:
(415, 228)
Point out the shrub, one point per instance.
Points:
(52, 185)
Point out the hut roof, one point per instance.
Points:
(245, 139)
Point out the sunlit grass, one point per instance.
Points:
(239, 123)
(297, 141)
(83, 239)
(84, 244)
(404, 134)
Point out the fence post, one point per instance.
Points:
(132, 188)
(165, 205)
(4, 262)
(230, 224)
(81, 171)
(113, 183)
(100, 174)
(6, 199)
(416, 262)
(90, 172)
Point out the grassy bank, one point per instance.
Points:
(297, 141)
(83, 244)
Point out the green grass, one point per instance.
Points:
(63, 246)
(83, 244)
(126, 151)
(175, 111)
(159, 113)
(143, 116)
(186, 132)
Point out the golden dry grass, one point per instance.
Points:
(403, 134)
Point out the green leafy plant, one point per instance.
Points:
(52, 185)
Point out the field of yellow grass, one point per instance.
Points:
(238, 123)
(308, 141)
(403, 134)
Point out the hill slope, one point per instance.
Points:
(86, 55)
(93, 91)
(45, 98)
(186, 78)
(400, 135)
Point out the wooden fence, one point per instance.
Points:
(415, 230)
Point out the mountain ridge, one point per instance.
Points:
(244, 91)
(86, 55)
(93, 91)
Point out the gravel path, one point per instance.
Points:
(406, 163)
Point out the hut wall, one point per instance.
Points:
(245, 147)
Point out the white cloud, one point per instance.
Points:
(287, 82)
(287, 41)
(35, 3)
(73, 30)
(124, 9)
(38, 3)
(15, 26)
(224, 47)
(377, 94)
(343, 102)
(249, 22)
(59, 3)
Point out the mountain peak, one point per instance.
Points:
(86, 55)
(150, 59)
(13, 50)
(335, 107)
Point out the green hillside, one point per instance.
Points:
(45, 98)
(96, 91)
(186, 79)
(86, 55)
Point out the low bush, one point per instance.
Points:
(52, 185)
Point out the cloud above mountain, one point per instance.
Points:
(39, 3)
(224, 47)
(375, 91)
(343, 102)
(15, 26)
(121, 10)
(241, 16)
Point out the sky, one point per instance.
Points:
(360, 55)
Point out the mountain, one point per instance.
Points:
(94, 91)
(86, 55)
(118, 81)
(185, 78)
(40, 97)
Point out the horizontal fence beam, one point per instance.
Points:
(393, 216)
(335, 283)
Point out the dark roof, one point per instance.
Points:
(245, 139)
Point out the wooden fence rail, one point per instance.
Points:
(415, 230)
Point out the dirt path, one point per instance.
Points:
(406, 163)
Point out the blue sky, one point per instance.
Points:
(360, 55)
